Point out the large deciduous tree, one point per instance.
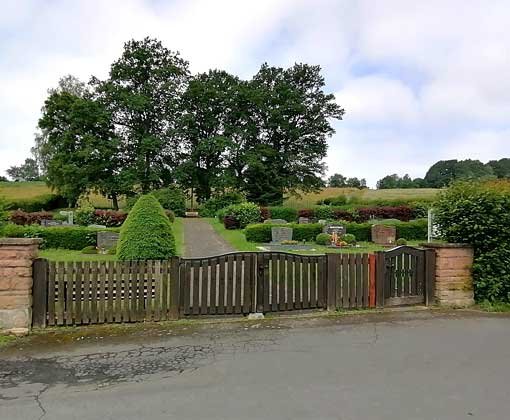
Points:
(293, 117)
(27, 171)
(143, 94)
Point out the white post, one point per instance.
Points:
(429, 225)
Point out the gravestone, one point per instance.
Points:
(69, 215)
(276, 221)
(336, 228)
(107, 240)
(279, 234)
(97, 226)
(50, 222)
(384, 235)
(303, 220)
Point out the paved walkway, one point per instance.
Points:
(201, 240)
(387, 366)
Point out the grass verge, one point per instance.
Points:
(495, 306)
(178, 229)
(235, 238)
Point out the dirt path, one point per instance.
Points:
(201, 240)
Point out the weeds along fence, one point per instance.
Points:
(80, 293)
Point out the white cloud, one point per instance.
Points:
(420, 81)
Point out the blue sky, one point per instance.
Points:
(420, 81)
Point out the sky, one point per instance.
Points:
(420, 81)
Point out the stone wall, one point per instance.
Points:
(454, 281)
(16, 258)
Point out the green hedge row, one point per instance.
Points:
(75, 238)
(43, 202)
(415, 230)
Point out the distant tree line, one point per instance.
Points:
(442, 173)
(151, 123)
(340, 181)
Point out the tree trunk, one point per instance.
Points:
(115, 201)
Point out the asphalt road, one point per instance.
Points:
(396, 366)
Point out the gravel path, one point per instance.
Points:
(201, 240)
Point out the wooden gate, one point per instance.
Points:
(220, 285)
(405, 276)
(287, 282)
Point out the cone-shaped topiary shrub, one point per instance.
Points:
(147, 233)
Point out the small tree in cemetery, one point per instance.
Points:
(147, 233)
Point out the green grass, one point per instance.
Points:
(365, 196)
(6, 339)
(70, 255)
(238, 241)
(495, 306)
(235, 238)
(178, 229)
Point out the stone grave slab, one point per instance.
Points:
(107, 240)
(279, 234)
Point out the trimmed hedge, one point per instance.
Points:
(43, 202)
(244, 214)
(146, 233)
(20, 217)
(285, 213)
(67, 237)
(261, 232)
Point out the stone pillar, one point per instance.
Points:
(454, 282)
(16, 258)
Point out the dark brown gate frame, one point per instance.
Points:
(429, 267)
(329, 287)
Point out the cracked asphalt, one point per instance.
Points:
(400, 365)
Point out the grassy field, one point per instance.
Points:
(27, 190)
(238, 241)
(366, 195)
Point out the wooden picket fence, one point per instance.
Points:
(80, 293)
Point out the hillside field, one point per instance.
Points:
(27, 190)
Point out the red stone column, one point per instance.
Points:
(454, 281)
(16, 258)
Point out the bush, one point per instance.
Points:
(170, 198)
(323, 213)
(244, 213)
(109, 218)
(403, 213)
(230, 222)
(414, 230)
(349, 238)
(341, 214)
(89, 250)
(147, 232)
(211, 206)
(68, 237)
(261, 232)
(401, 242)
(40, 203)
(4, 216)
(285, 213)
(478, 214)
(323, 239)
(171, 215)
(84, 216)
(339, 201)
(362, 231)
(306, 213)
(265, 213)
(20, 217)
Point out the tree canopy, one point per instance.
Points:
(150, 124)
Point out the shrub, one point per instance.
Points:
(362, 231)
(84, 216)
(68, 237)
(230, 222)
(323, 239)
(323, 212)
(403, 213)
(211, 206)
(349, 238)
(401, 242)
(306, 213)
(20, 217)
(340, 214)
(261, 232)
(265, 213)
(109, 218)
(171, 198)
(89, 250)
(338, 201)
(40, 203)
(147, 232)
(244, 213)
(414, 230)
(171, 215)
(285, 213)
(3, 212)
(112, 251)
(478, 214)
